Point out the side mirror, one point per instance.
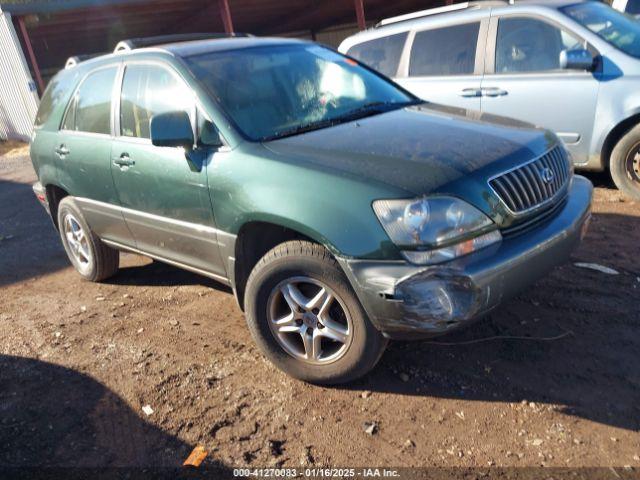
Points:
(172, 129)
(578, 59)
(208, 135)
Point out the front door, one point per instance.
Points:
(164, 196)
(445, 64)
(525, 81)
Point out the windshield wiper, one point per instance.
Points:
(368, 109)
(373, 108)
(306, 127)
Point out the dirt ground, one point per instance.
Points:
(79, 361)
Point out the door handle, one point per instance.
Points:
(124, 161)
(471, 92)
(494, 92)
(62, 151)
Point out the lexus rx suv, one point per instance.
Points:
(341, 210)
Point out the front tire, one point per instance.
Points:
(305, 317)
(91, 257)
(625, 163)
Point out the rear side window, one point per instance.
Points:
(148, 90)
(445, 51)
(90, 109)
(46, 106)
(382, 54)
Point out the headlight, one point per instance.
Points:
(436, 229)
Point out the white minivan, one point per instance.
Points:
(571, 66)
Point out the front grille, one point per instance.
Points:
(534, 184)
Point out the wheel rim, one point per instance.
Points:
(77, 242)
(309, 321)
(633, 163)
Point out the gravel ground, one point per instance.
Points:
(79, 361)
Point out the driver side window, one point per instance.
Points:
(530, 45)
(149, 90)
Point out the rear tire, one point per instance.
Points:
(625, 163)
(91, 257)
(305, 317)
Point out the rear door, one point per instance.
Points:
(83, 153)
(164, 195)
(524, 80)
(444, 62)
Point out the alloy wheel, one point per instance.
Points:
(309, 320)
(78, 242)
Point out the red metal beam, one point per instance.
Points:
(362, 23)
(225, 13)
(32, 57)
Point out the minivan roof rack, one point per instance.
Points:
(446, 9)
(134, 43)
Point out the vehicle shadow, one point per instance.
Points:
(55, 417)
(29, 244)
(591, 371)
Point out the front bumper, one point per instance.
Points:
(410, 302)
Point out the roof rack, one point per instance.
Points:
(134, 43)
(446, 9)
(73, 61)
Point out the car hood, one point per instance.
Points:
(420, 149)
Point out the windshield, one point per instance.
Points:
(620, 30)
(277, 91)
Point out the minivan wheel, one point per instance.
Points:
(625, 163)
(305, 317)
(91, 257)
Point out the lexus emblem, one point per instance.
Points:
(547, 175)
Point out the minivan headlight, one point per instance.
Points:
(435, 229)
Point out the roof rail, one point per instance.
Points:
(73, 61)
(134, 43)
(446, 9)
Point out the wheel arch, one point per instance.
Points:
(255, 239)
(55, 194)
(614, 136)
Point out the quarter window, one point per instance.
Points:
(149, 90)
(445, 51)
(382, 54)
(90, 109)
(530, 45)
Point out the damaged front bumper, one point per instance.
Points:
(409, 302)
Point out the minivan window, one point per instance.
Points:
(620, 30)
(148, 90)
(93, 104)
(530, 45)
(277, 91)
(633, 7)
(382, 54)
(445, 51)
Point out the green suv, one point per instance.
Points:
(342, 210)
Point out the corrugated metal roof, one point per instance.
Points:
(18, 98)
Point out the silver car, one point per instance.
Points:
(572, 67)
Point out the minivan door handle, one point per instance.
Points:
(494, 92)
(471, 92)
(62, 151)
(124, 161)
